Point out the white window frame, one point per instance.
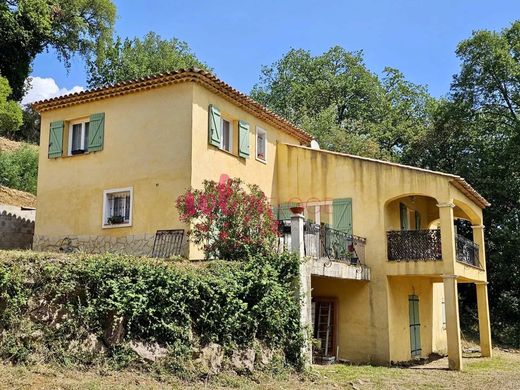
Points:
(106, 193)
(222, 135)
(259, 130)
(317, 209)
(81, 121)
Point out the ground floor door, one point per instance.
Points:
(324, 314)
(415, 326)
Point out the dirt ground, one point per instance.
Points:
(14, 197)
(9, 145)
(500, 372)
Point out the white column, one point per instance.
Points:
(297, 246)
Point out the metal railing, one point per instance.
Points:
(168, 243)
(467, 251)
(322, 241)
(414, 245)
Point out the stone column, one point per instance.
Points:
(297, 246)
(483, 319)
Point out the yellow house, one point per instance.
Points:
(113, 161)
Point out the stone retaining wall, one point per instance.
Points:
(137, 245)
(15, 232)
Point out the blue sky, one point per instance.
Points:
(236, 38)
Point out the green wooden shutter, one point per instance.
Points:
(342, 215)
(415, 325)
(96, 132)
(214, 126)
(56, 139)
(284, 211)
(404, 216)
(243, 139)
(417, 221)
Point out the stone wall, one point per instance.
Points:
(15, 232)
(137, 245)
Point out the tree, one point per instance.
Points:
(477, 135)
(29, 131)
(27, 27)
(131, 59)
(10, 111)
(229, 221)
(345, 106)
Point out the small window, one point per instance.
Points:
(78, 137)
(226, 136)
(261, 144)
(117, 207)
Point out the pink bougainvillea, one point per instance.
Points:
(229, 219)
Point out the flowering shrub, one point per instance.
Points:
(228, 221)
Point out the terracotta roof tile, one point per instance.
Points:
(202, 77)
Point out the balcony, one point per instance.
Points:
(414, 245)
(336, 253)
(467, 251)
(406, 245)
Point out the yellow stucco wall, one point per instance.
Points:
(356, 327)
(209, 162)
(145, 140)
(376, 190)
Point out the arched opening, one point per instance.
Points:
(411, 233)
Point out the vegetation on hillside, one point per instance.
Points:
(19, 168)
(88, 310)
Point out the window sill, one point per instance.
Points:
(228, 152)
(264, 161)
(118, 225)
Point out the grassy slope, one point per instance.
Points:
(501, 372)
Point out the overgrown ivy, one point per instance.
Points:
(179, 305)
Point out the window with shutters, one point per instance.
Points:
(226, 137)
(261, 144)
(117, 207)
(78, 137)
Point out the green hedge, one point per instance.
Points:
(19, 169)
(176, 304)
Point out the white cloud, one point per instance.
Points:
(45, 88)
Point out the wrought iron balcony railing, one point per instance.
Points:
(426, 245)
(322, 241)
(467, 251)
(414, 245)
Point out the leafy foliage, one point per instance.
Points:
(227, 221)
(131, 59)
(345, 106)
(179, 306)
(19, 169)
(477, 135)
(27, 27)
(10, 112)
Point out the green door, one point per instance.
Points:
(403, 210)
(415, 326)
